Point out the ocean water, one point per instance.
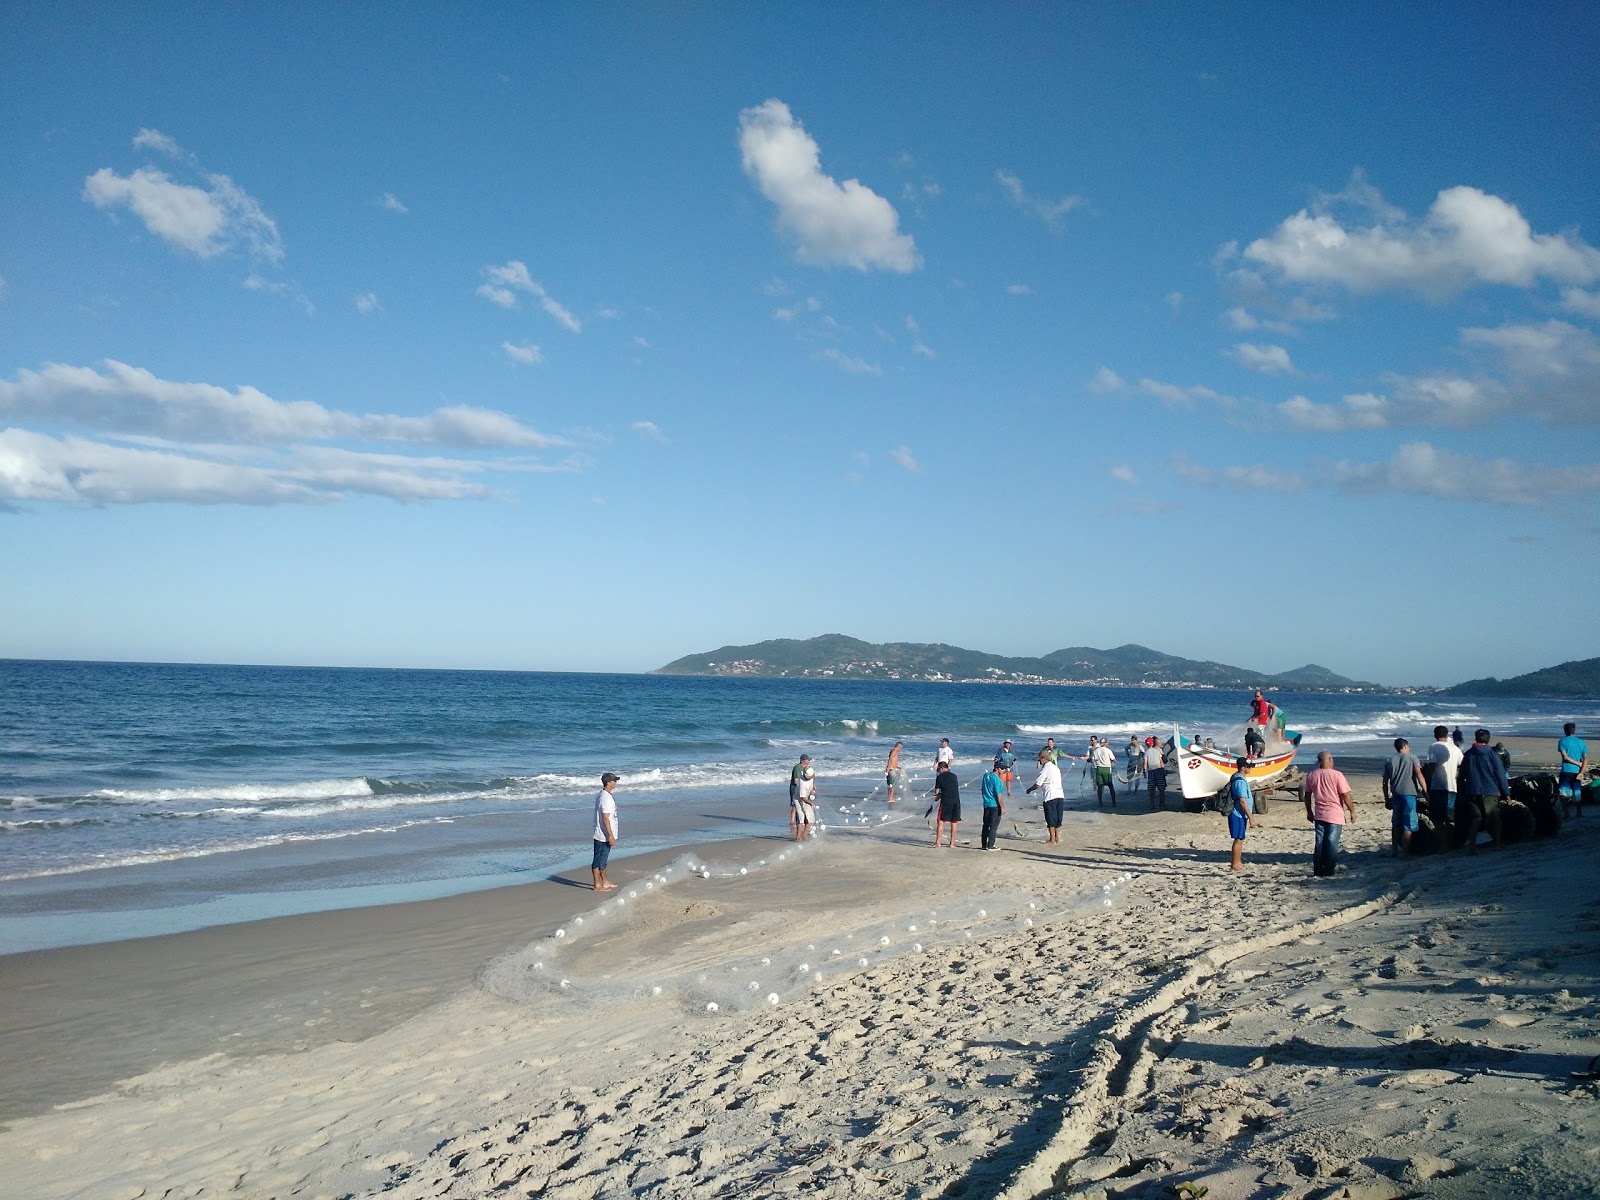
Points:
(147, 798)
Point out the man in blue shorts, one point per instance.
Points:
(605, 831)
(1574, 752)
(1402, 784)
(1240, 817)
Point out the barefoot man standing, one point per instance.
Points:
(605, 831)
(892, 774)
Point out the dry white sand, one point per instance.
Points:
(1404, 1028)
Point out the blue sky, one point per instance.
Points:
(582, 337)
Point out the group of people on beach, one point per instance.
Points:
(1460, 792)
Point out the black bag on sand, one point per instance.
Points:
(1516, 822)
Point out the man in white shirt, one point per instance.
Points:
(1049, 782)
(605, 831)
(946, 755)
(1445, 759)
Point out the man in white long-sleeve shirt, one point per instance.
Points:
(1049, 782)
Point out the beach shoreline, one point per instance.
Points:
(407, 1050)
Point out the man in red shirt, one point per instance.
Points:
(1327, 796)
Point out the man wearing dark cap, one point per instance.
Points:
(795, 776)
(605, 831)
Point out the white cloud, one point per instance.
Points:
(1268, 359)
(501, 285)
(1585, 304)
(1106, 380)
(1362, 410)
(1175, 301)
(902, 457)
(1240, 320)
(367, 302)
(189, 218)
(1259, 478)
(130, 400)
(526, 353)
(831, 223)
(39, 468)
(1048, 211)
(649, 430)
(789, 312)
(1420, 468)
(918, 346)
(154, 139)
(392, 202)
(847, 363)
(1019, 289)
(1124, 473)
(2, 287)
(1175, 396)
(1467, 237)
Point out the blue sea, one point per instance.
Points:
(144, 798)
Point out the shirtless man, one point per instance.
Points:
(892, 774)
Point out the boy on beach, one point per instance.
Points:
(947, 795)
(605, 831)
(994, 807)
(1240, 818)
(946, 755)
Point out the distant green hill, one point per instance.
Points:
(834, 656)
(1570, 680)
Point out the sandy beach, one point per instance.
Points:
(1111, 1017)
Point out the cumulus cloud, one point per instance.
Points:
(1585, 304)
(206, 216)
(1550, 371)
(902, 457)
(1362, 410)
(501, 284)
(1467, 237)
(1123, 473)
(1048, 211)
(1258, 478)
(392, 202)
(1019, 289)
(526, 353)
(40, 468)
(130, 400)
(831, 224)
(1177, 396)
(367, 302)
(847, 363)
(1422, 469)
(1268, 359)
(153, 440)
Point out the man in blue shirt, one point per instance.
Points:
(1483, 786)
(993, 806)
(1574, 752)
(1240, 816)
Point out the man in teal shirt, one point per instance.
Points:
(1574, 753)
(993, 806)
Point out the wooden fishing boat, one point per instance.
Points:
(1204, 771)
